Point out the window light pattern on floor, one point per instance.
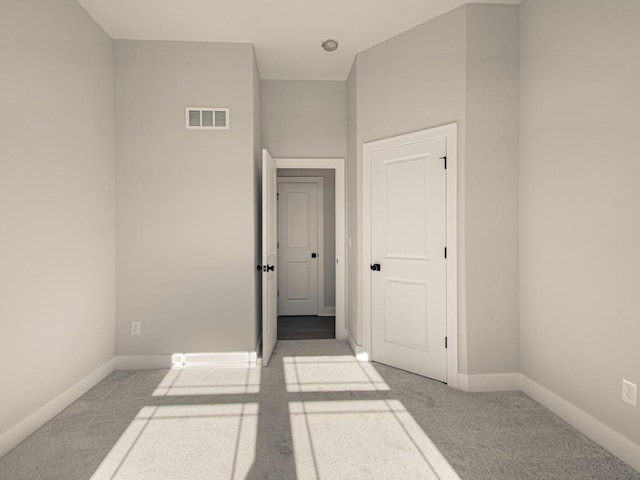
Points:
(372, 439)
(330, 374)
(210, 381)
(186, 441)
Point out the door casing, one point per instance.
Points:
(450, 133)
(338, 165)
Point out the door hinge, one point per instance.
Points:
(445, 252)
(445, 343)
(278, 292)
(445, 161)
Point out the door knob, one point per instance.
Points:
(314, 255)
(271, 268)
(376, 267)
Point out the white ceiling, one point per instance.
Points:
(286, 33)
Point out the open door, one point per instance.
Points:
(269, 256)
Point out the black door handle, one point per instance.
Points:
(376, 267)
(314, 255)
(271, 268)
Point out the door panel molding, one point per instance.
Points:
(450, 134)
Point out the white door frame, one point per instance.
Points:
(450, 133)
(338, 165)
(319, 181)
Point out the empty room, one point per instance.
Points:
(319, 240)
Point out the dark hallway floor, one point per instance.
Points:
(308, 327)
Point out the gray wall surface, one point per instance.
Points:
(579, 199)
(491, 189)
(257, 188)
(304, 119)
(417, 80)
(186, 206)
(352, 187)
(329, 210)
(57, 202)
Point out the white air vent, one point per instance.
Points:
(207, 118)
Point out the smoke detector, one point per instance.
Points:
(330, 45)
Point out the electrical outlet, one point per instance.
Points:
(629, 393)
(135, 328)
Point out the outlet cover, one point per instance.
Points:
(135, 328)
(629, 393)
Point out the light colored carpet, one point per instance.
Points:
(314, 413)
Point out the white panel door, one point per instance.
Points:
(269, 257)
(298, 250)
(408, 244)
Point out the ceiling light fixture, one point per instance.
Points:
(330, 45)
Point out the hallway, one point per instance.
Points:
(309, 327)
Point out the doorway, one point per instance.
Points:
(306, 254)
(269, 246)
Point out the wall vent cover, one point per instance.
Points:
(207, 118)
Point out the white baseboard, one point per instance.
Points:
(593, 428)
(327, 311)
(463, 382)
(16, 434)
(498, 382)
(142, 362)
(357, 350)
(211, 359)
(182, 360)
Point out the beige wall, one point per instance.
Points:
(579, 198)
(257, 188)
(491, 189)
(352, 205)
(302, 119)
(186, 207)
(57, 202)
(417, 80)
